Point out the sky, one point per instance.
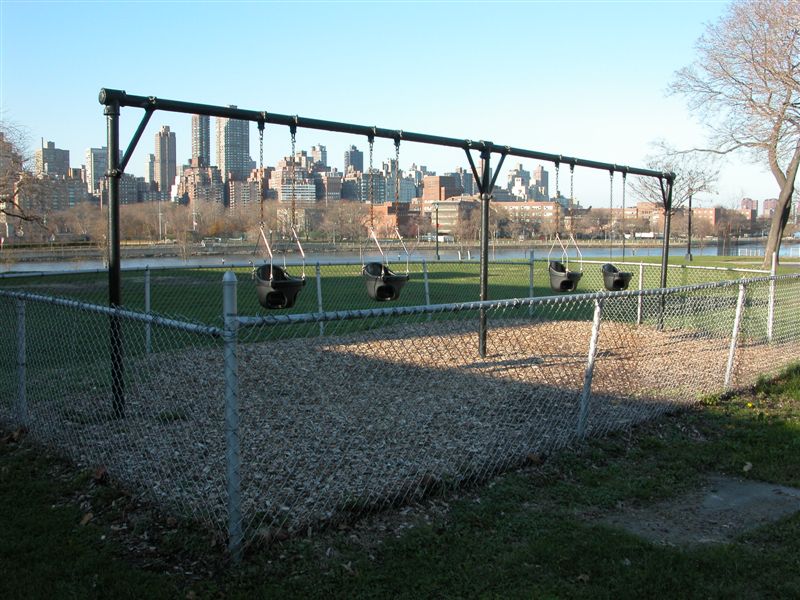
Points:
(584, 79)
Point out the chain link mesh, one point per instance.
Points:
(344, 413)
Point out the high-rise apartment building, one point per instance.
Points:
(96, 167)
(519, 180)
(150, 169)
(201, 140)
(233, 149)
(440, 187)
(51, 161)
(166, 163)
(748, 204)
(319, 154)
(540, 186)
(353, 157)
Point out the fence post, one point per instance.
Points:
(22, 401)
(639, 300)
(530, 284)
(735, 335)
(589, 373)
(148, 340)
(427, 286)
(319, 299)
(771, 306)
(231, 321)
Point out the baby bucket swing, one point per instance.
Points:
(615, 280)
(277, 289)
(562, 279)
(382, 283)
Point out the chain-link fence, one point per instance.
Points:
(261, 427)
(195, 293)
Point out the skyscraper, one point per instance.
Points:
(166, 161)
(201, 140)
(354, 158)
(233, 149)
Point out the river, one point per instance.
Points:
(447, 252)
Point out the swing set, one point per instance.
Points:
(277, 287)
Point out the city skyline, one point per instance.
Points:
(602, 98)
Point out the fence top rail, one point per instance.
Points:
(692, 267)
(122, 313)
(254, 321)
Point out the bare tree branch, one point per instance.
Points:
(745, 84)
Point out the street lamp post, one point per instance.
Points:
(436, 210)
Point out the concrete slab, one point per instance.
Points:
(717, 512)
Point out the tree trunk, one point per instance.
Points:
(779, 221)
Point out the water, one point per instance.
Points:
(447, 252)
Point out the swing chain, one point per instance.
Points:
(558, 168)
(571, 183)
(261, 170)
(292, 172)
(396, 175)
(370, 190)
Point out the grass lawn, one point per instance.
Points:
(534, 533)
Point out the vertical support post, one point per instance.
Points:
(667, 197)
(114, 277)
(530, 284)
(22, 401)
(773, 271)
(319, 298)
(689, 231)
(148, 334)
(484, 284)
(735, 335)
(232, 460)
(640, 298)
(583, 413)
(427, 286)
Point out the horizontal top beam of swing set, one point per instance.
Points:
(109, 97)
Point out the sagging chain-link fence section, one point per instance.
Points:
(261, 427)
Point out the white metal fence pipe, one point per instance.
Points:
(530, 283)
(583, 413)
(319, 298)
(148, 339)
(426, 284)
(232, 454)
(640, 297)
(737, 320)
(22, 402)
(771, 305)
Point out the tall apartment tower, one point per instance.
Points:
(319, 154)
(150, 169)
(233, 149)
(201, 140)
(51, 161)
(96, 166)
(353, 157)
(166, 163)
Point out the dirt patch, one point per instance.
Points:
(721, 509)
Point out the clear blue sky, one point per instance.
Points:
(584, 79)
